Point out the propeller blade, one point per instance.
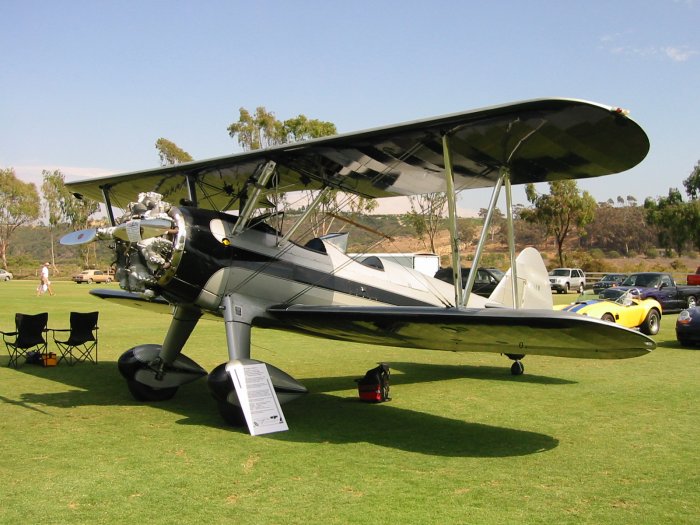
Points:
(79, 237)
(138, 229)
(132, 231)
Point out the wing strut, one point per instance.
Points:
(258, 184)
(191, 189)
(310, 208)
(108, 204)
(482, 240)
(511, 238)
(452, 223)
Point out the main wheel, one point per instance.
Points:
(232, 414)
(652, 323)
(143, 392)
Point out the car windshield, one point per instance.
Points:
(610, 278)
(497, 273)
(560, 272)
(642, 279)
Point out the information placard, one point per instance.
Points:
(257, 397)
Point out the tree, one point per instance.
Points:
(560, 211)
(426, 215)
(262, 129)
(169, 153)
(619, 228)
(78, 213)
(692, 183)
(677, 221)
(497, 221)
(54, 192)
(19, 204)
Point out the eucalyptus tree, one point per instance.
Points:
(54, 192)
(426, 217)
(169, 153)
(19, 205)
(561, 211)
(262, 129)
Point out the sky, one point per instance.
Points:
(88, 87)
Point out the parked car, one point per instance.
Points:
(624, 307)
(484, 283)
(608, 280)
(5, 275)
(693, 279)
(92, 276)
(688, 327)
(564, 279)
(660, 286)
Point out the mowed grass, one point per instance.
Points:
(462, 441)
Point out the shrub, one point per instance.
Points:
(678, 265)
(651, 253)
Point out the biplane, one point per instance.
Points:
(200, 241)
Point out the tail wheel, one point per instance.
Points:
(652, 323)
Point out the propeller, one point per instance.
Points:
(134, 230)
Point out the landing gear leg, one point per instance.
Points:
(155, 372)
(238, 315)
(517, 368)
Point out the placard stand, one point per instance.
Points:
(257, 397)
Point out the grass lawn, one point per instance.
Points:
(462, 441)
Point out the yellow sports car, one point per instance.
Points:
(625, 308)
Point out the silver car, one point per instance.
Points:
(564, 279)
(5, 275)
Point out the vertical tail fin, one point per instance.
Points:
(533, 283)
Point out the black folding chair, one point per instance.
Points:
(81, 344)
(29, 335)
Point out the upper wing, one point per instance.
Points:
(499, 330)
(538, 140)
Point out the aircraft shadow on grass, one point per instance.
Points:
(319, 417)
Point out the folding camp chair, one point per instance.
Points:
(81, 344)
(29, 335)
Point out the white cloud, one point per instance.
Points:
(679, 54)
(617, 44)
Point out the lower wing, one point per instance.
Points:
(498, 330)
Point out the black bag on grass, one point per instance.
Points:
(374, 387)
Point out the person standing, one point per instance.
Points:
(45, 284)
